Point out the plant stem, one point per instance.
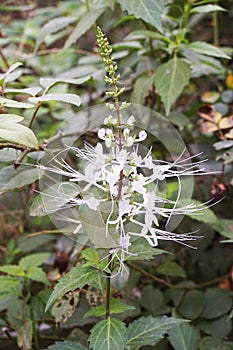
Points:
(108, 289)
(34, 115)
(187, 9)
(4, 59)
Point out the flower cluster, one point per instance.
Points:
(116, 173)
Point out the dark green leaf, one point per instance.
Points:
(218, 327)
(9, 286)
(184, 337)
(67, 345)
(171, 268)
(109, 334)
(37, 274)
(218, 302)
(149, 330)
(192, 304)
(148, 10)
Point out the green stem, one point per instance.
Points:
(108, 290)
(34, 115)
(87, 5)
(187, 9)
(216, 28)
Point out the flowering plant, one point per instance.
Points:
(117, 198)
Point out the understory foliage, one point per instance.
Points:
(101, 146)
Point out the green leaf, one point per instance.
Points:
(67, 98)
(149, 330)
(14, 104)
(67, 345)
(217, 327)
(148, 10)
(53, 198)
(116, 307)
(170, 78)
(48, 83)
(65, 307)
(83, 25)
(33, 260)
(141, 249)
(3, 77)
(95, 227)
(11, 131)
(171, 268)
(37, 274)
(207, 8)
(207, 49)
(192, 304)
(77, 277)
(53, 26)
(24, 338)
(214, 343)
(152, 300)
(206, 216)
(213, 309)
(9, 286)
(29, 91)
(12, 270)
(109, 334)
(184, 337)
(11, 178)
(141, 89)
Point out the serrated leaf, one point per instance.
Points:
(95, 227)
(141, 249)
(109, 334)
(184, 337)
(11, 178)
(9, 286)
(11, 131)
(53, 198)
(68, 98)
(77, 277)
(117, 306)
(67, 345)
(12, 270)
(148, 10)
(83, 25)
(149, 330)
(207, 49)
(53, 26)
(207, 8)
(37, 274)
(170, 78)
(33, 260)
(65, 307)
(14, 104)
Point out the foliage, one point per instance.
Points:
(169, 56)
